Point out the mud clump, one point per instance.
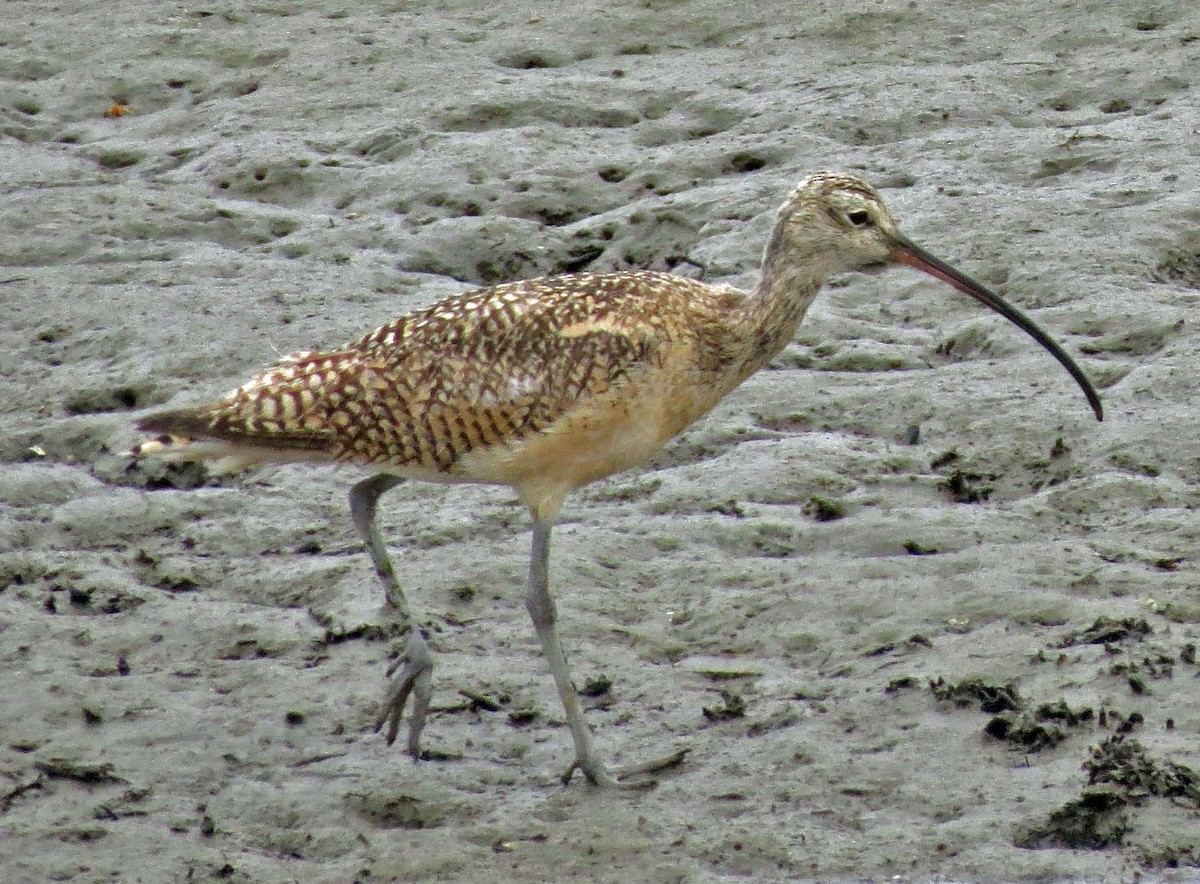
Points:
(1107, 631)
(1122, 777)
(991, 698)
(1124, 764)
(1012, 723)
(1095, 821)
(1021, 732)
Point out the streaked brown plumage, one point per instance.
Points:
(546, 385)
(480, 386)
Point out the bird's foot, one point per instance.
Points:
(598, 775)
(413, 675)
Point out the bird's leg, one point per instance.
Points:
(415, 665)
(542, 610)
(364, 499)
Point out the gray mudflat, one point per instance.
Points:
(190, 674)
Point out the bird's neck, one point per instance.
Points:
(767, 319)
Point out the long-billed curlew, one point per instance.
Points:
(545, 385)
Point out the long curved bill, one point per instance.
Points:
(905, 251)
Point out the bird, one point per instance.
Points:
(546, 385)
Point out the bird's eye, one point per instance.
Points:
(859, 217)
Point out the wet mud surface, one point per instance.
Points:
(915, 613)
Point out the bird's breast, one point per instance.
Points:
(605, 434)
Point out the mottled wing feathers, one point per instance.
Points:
(475, 370)
(499, 364)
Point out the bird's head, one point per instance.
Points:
(833, 222)
(841, 219)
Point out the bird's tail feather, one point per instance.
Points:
(191, 434)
